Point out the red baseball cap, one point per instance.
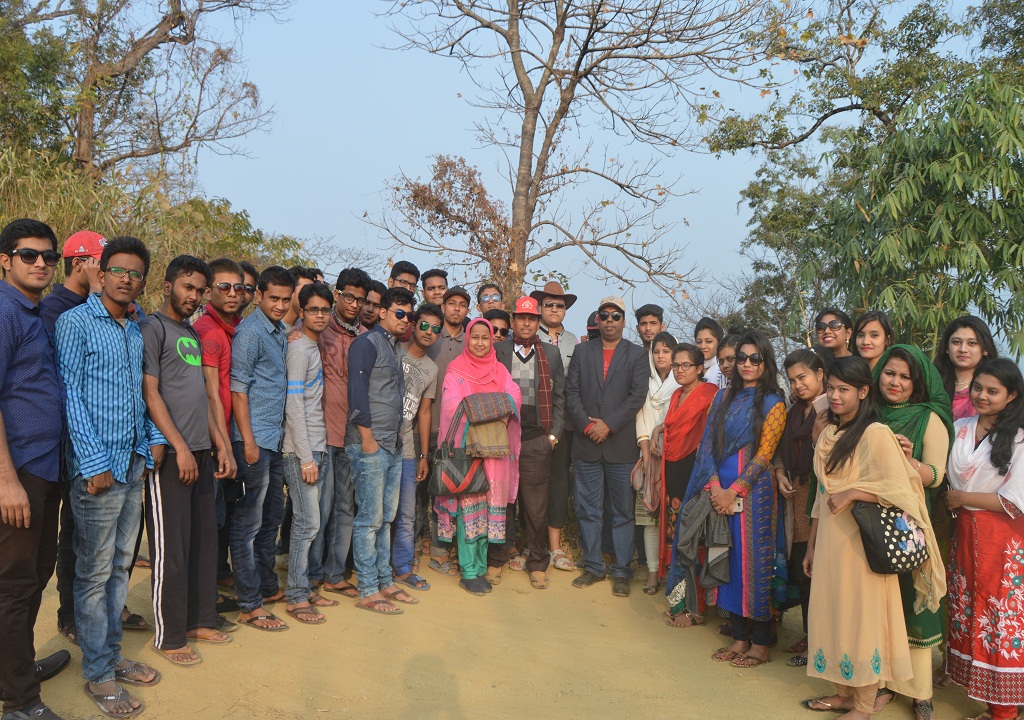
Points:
(84, 243)
(526, 306)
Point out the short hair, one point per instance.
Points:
(695, 353)
(651, 309)
(24, 228)
(404, 267)
(354, 277)
(311, 274)
(226, 265)
(396, 296)
(186, 265)
(319, 289)
(378, 287)
(432, 273)
(248, 269)
(127, 245)
(497, 314)
(430, 310)
(665, 338)
(706, 323)
(275, 275)
(317, 272)
(483, 288)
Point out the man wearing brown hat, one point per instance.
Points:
(553, 302)
(537, 369)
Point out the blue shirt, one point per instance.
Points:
(33, 395)
(258, 369)
(101, 363)
(53, 305)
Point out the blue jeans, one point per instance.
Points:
(377, 479)
(328, 554)
(246, 522)
(403, 546)
(595, 480)
(307, 520)
(106, 526)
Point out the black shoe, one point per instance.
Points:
(586, 579)
(226, 604)
(51, 666)
(474, 586)
(224, 625)
(39, 711)
(620, 587)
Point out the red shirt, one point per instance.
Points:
(608, 360)
(216, 337)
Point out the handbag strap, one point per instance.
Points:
(460, 412)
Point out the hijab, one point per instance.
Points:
(481, 373)
(911, 419)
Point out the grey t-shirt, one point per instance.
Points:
(304, 429)
(173, 354)
(420, 382)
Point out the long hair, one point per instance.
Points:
(854, 371)
(872, 316)
(942, 360)
(767, 384)
(803, 356)
(1003, 434)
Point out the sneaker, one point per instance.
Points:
(39, 711)
(586, 579)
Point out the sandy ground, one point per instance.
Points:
(516, 653)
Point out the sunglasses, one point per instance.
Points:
(490, 298)
(551, 305)
(682, 366)
(501, 332)
(120, 272)
(226, 287)
(249, 288)
(29, 256)
(830, 325)
(754, 358)
(426, 325)
(604, 315)
(317, 310)
(351, 299)
(400, 314)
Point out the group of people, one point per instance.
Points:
(308, 423)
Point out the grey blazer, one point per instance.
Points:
(616, 399)
(504, 350)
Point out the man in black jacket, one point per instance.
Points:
(605, 389)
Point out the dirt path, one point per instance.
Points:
(516, 653)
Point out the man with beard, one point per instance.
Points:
(181, 523)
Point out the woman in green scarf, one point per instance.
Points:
(915, 406)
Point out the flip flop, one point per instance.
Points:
(749, 661)
(725, 655)
(317, 600)
(393, 596)
(251, 622)
(134, 621)
(307, 612)
(414, 581)
(829, 707)
(374, 604)
(121, 696)
(349, 591)
(166, 654)
(133, 666)
(691, 620)
(226, 641)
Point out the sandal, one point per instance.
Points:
(317, 600)
(345, 589)
(132, 667)
(307, 615)
(724, 654)
(829, 707)
(923, 709)
(68, 631)
(208, 639)
(518, 561)
(414, 581)
(191, 657)
(561, 561)
(690, 618)
(251, 622)
(134, 621)
(394, 596)
(446, 567)
(798, 647)
(121, 696)
(376, 606)
(888, 696)
(539, 580)
(749, 661)
(797, 661)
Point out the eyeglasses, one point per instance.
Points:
(351, 299)
(226, 287)
(249, 288)
(552, 305)
(29, 256)
(604, 315)
(404, 283)
(399, 314)
(682, 366)
(120, 272)
(754, 358)
(830, 325)
(424, 326)
(494, 297)
(317, 310)
(501, 332)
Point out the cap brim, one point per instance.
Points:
(539, 296)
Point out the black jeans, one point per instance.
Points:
(798, 577)
(27, 559)
(66, 560)
(741, 630)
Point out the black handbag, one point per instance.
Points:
(456, 472)
(893, 541)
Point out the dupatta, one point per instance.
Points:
(912, 420)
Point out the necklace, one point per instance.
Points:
(965, 383)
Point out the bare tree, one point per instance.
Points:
(642, 69)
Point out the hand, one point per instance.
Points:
(99, 483)
(808, 561)
(294, 335)
(91, 267)
(820, 423)
(599, 432)
(370, 446)
(908, 447)
(232, 464)
(188, 470)
(722, 500)
(157, 451)
(645, 452)
(656, 436)
(422, 469)
(252, 452)
(785, 486)
(839, 502)
(225, 461)
(310, 472)
(14, 505)
(955, 499)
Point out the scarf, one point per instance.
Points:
(912, 420)
(354, 329)
(878, 466)
(685, 421)
(796, 448)
(543, 379)
(970, 468)
(481, 373)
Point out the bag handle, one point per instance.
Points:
(460, 412)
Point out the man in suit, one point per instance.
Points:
(605, 389)
(537, 368)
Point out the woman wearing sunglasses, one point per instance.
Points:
(834, 330)
(734, 464)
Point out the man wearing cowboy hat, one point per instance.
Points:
(553, 302)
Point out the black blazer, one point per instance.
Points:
(616, 399)
(504, 351)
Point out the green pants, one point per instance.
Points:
(472, 553)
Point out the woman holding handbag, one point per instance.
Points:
(476, 519)
(857, 635)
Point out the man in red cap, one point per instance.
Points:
(537, 369)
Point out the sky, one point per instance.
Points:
(350, 114)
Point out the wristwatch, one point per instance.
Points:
(422, 456)
(553, 439)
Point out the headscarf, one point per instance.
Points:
(659, 392)
(685, 421)
(911, 420)
(481, 373)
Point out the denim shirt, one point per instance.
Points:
(376, 389)
(258, 369)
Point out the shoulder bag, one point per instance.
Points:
(455, 471)
(893, 541)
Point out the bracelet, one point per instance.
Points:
(309, 465)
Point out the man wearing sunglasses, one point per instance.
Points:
(488, 297)
(605, 389)
(420, 375)
(31, 424)
(373, 439)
